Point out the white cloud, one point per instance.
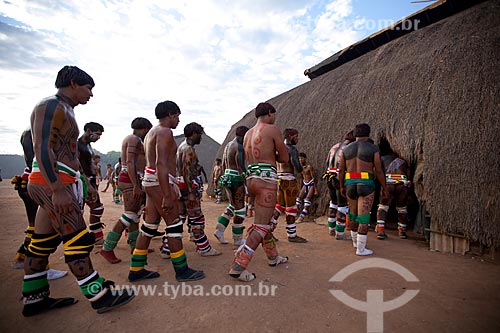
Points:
(216, 59)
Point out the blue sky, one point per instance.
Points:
(216, 59)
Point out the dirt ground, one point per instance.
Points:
(456, 293)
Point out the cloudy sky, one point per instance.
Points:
(215, 58)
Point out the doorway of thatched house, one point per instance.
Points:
(413, 207)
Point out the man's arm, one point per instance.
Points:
(50, 119)
(408, 174)
(294, 159)
(187, 168)
(342, 175)
(281, 149)
(240, 160)
(131, 154)
(27, 143)
(379, 172)
(214, 175)
(163, 141)
(99, 172)
(204, 173)
(46, 125)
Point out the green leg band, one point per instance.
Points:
(237, 230)
(132, 238)
(34, 285)
(224, 221)
(92, 287)
(364, 219)
(178, 259)
(352, 217)
(340, 228)
(331, 225)
(138, 261)
(111, 240)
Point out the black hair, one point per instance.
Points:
(241, 131)
(263, 109)
(289, 132)
(303, 155)
(75, 74)
(362, 130)
(93, 127)
(350, 136)
(166, 108)
(141, 123)
(192, 128)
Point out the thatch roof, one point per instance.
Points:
(431, 14)
(434, 95)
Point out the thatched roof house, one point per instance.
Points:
(434, 95)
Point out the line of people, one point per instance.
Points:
(160, 180)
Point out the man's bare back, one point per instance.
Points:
(133, 151)
(263, 144)
(160, 140)
(230, 157)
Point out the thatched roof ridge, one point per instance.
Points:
(418, 20)
(434, 95)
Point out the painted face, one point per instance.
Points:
(94, 136)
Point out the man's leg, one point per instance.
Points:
(35, 287)
(237, 228)
(382, 210)
(31, 208)
(279, 208)
(218, 193)
(332, 208)
(401, 206)
(308, 193)
(148, 230)
(197, 222)
(265, 201)
(95, 224)
(299, 202)
(290, 193)
(114, 236)
(223, 220)
(352, 200)
(342, 211)
(129, 220)
(250, 206)
(173, 232)
(363, 219)
(106, 188)
(78, 243)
